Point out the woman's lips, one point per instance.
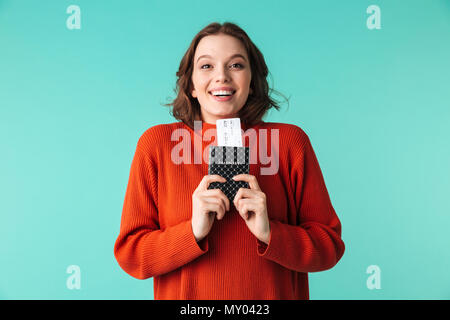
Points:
(222, 98)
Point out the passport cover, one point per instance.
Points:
(227, 161)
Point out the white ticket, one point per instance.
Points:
(229, 132)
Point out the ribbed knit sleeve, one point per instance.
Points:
(142, 248)
(314, 244)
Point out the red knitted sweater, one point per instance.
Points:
(156, 238)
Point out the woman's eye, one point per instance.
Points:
(234, 65)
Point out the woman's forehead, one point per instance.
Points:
(220, 46)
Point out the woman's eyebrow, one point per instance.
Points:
(233, 56)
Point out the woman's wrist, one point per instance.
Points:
(198, 238)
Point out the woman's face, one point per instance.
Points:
(221, 77)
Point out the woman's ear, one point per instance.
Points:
(193, 93)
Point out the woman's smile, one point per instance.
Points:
(222, 94)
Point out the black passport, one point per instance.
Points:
(228, 162)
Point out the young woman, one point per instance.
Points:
(193, 241)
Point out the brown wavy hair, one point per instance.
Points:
(187, 108)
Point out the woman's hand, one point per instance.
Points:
(252, 207)
(206, 204)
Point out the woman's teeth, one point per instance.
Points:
(222, 93)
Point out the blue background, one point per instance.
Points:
(73, 103)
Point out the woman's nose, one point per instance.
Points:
(222, 74)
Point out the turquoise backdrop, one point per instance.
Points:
(374, 102)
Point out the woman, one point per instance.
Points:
(193, 241)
